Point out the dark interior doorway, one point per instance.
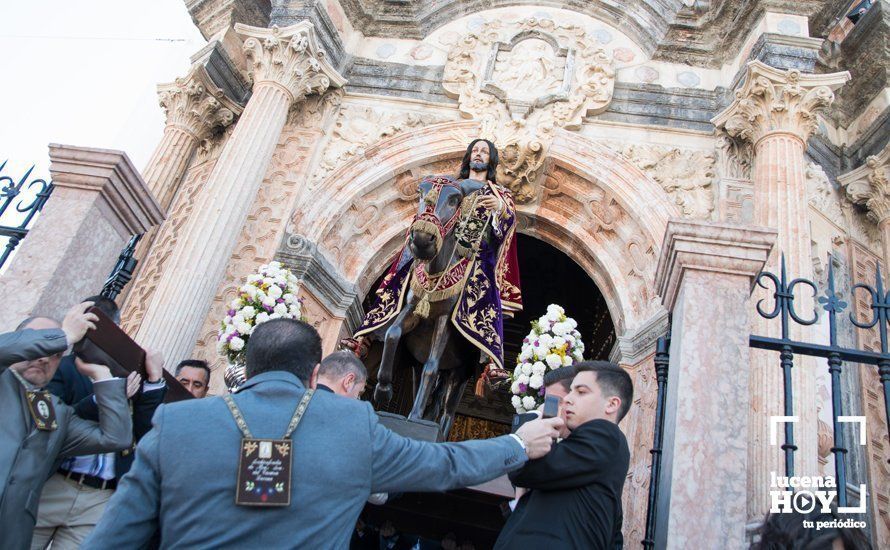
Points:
(548, 276)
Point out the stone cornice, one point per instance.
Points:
(289, 57)
(778, 101)
(712, 247)
(112, 176)
(196, 105)
(634, 346)
(869, 185)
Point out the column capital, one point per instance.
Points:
(195, 104)
(713, 247)
(869, 185)
(776, 101)
(289, 57)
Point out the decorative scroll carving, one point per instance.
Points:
(358, 127)
(869, 186)
(687, 175)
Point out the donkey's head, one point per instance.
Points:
(437, 213)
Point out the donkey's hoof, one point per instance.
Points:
(382, 393)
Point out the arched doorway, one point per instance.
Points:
(548, 276)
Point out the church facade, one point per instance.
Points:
(671, 149)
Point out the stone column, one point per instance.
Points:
(869, 186)
(285, 65)
(776, 112)
(195, 107)
(705, 274)
(98, 203)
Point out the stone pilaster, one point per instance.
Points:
(869, 186)
(195, 108)
(98, 203)
(776, 111)
(705, 274)
(285, 65)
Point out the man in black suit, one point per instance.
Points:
(75, 496)
(575, 491)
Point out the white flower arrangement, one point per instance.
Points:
(553, 342)
(269, 294)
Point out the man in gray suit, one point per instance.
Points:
(186, 472)
(37, 428)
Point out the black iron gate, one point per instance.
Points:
(834, 305)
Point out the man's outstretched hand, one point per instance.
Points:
(539, 435)
(77, 322)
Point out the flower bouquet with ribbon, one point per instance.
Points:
(553, 342)
(271, 293)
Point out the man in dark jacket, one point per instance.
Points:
(575, 491)
(74, 498)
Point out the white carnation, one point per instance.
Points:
(546, 341)
(538, 369)
(520, 410)
(553, 308)
(227, 320)
(262, 317)
(573, 324)
(516, 401)
(295, 310)
(567, 361)
(526, 369)
(280, 309)
(274, 291)
(560, 329)
(578, 354)
(514, 388)
(236, 344)
(536, 381)
(289, 298)
(236, 304)
(526, 353)
(554, 361)
(243, 328)
(269, 301)
(275, 316)
(248, 312)
(254, 278)
(558, 342)
(237, 319)
(522, 379)
(250, 290)
(528, 402)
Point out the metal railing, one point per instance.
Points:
(16, 219)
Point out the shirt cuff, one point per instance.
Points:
(152, 386)
(520, 441)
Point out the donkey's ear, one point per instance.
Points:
(471, 186)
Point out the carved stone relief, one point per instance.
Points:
(348, 238)
(688, 176)
(358, 126)
(824, 197)
(523, 80)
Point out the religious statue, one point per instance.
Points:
(444, 297)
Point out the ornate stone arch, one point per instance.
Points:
(592, 204)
